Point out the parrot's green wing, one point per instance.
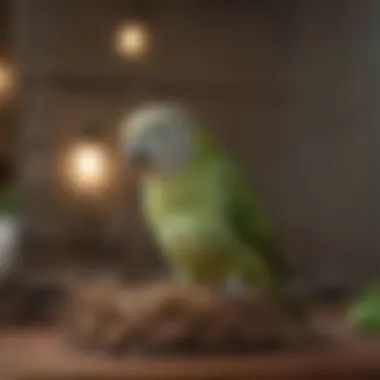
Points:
(251, 224)
(248, 219)
(364, 314)
(242, 207)
(11, 200)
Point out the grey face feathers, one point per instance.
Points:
(158, 138)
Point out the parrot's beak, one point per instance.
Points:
(137, 156)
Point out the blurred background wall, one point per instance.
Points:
(285, 85)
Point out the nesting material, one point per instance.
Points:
(168, 318)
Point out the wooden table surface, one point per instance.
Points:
(43, 355)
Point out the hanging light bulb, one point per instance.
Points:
(132, 39)
(88, 165)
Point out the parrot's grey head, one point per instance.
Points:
(159, 138)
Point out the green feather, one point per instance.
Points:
(364, 314)
(242, 205)
(11, 199)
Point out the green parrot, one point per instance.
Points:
(204, 215)
(364, 314)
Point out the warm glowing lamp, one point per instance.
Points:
(132, 39)
(88, 165)
(6, 79)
